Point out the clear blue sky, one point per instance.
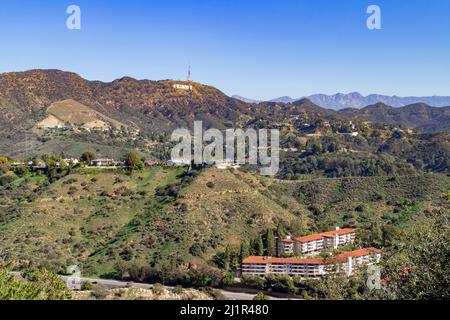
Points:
(259, 49)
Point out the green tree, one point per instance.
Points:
(258, 246)
(281, 283)
(418, 268)
(52, 169)
(87, 157)
(281, 231)
(40, 284)
(389, 234)
(245, 250)
(7, 178)
(270, 243)
(227, 257)
(139, 270)
(121, 267)
(260, 296)
(134, 161)
(376, 234)
(3, 161)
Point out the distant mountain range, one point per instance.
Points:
(356, 100)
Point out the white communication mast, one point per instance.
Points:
(189, 74)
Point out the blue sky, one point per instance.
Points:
(258, 49)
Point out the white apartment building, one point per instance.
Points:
(316, 242)
(347, 262)
(261, 266)
(308, 244)
(338, 237)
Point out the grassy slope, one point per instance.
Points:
(236, 200)
(75, 149)
(73, 112)
(58, 224)
(359, 201)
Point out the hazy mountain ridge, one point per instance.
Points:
(356, 100)
(340, 101)
(246, 100)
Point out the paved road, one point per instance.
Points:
(115, 284)
(229, 295)
(112, 284)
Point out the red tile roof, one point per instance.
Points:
(271, 260)
(343, 257)
(357, 253)
(327, 234)
(309, 238)
(339, 232)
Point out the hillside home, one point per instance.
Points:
(39, 165)
(152, 163)
(72, 160)
(103, 163)
(223, 165)
(350, 134)
(177, 163)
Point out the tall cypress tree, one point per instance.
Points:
(245, 250)
(258, 246)
(270, 243)
(281, 231)
(227, 258)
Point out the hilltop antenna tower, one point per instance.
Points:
(189, 76)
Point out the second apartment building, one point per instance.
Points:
(315, 242)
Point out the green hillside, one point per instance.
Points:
(160, 216)
(91, 217)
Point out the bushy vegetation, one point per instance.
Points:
(366, 155)
(33, 284)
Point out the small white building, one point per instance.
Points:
(103, 162)
(223, 165)
(177, 163)
(350, 134)
(73, 161)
